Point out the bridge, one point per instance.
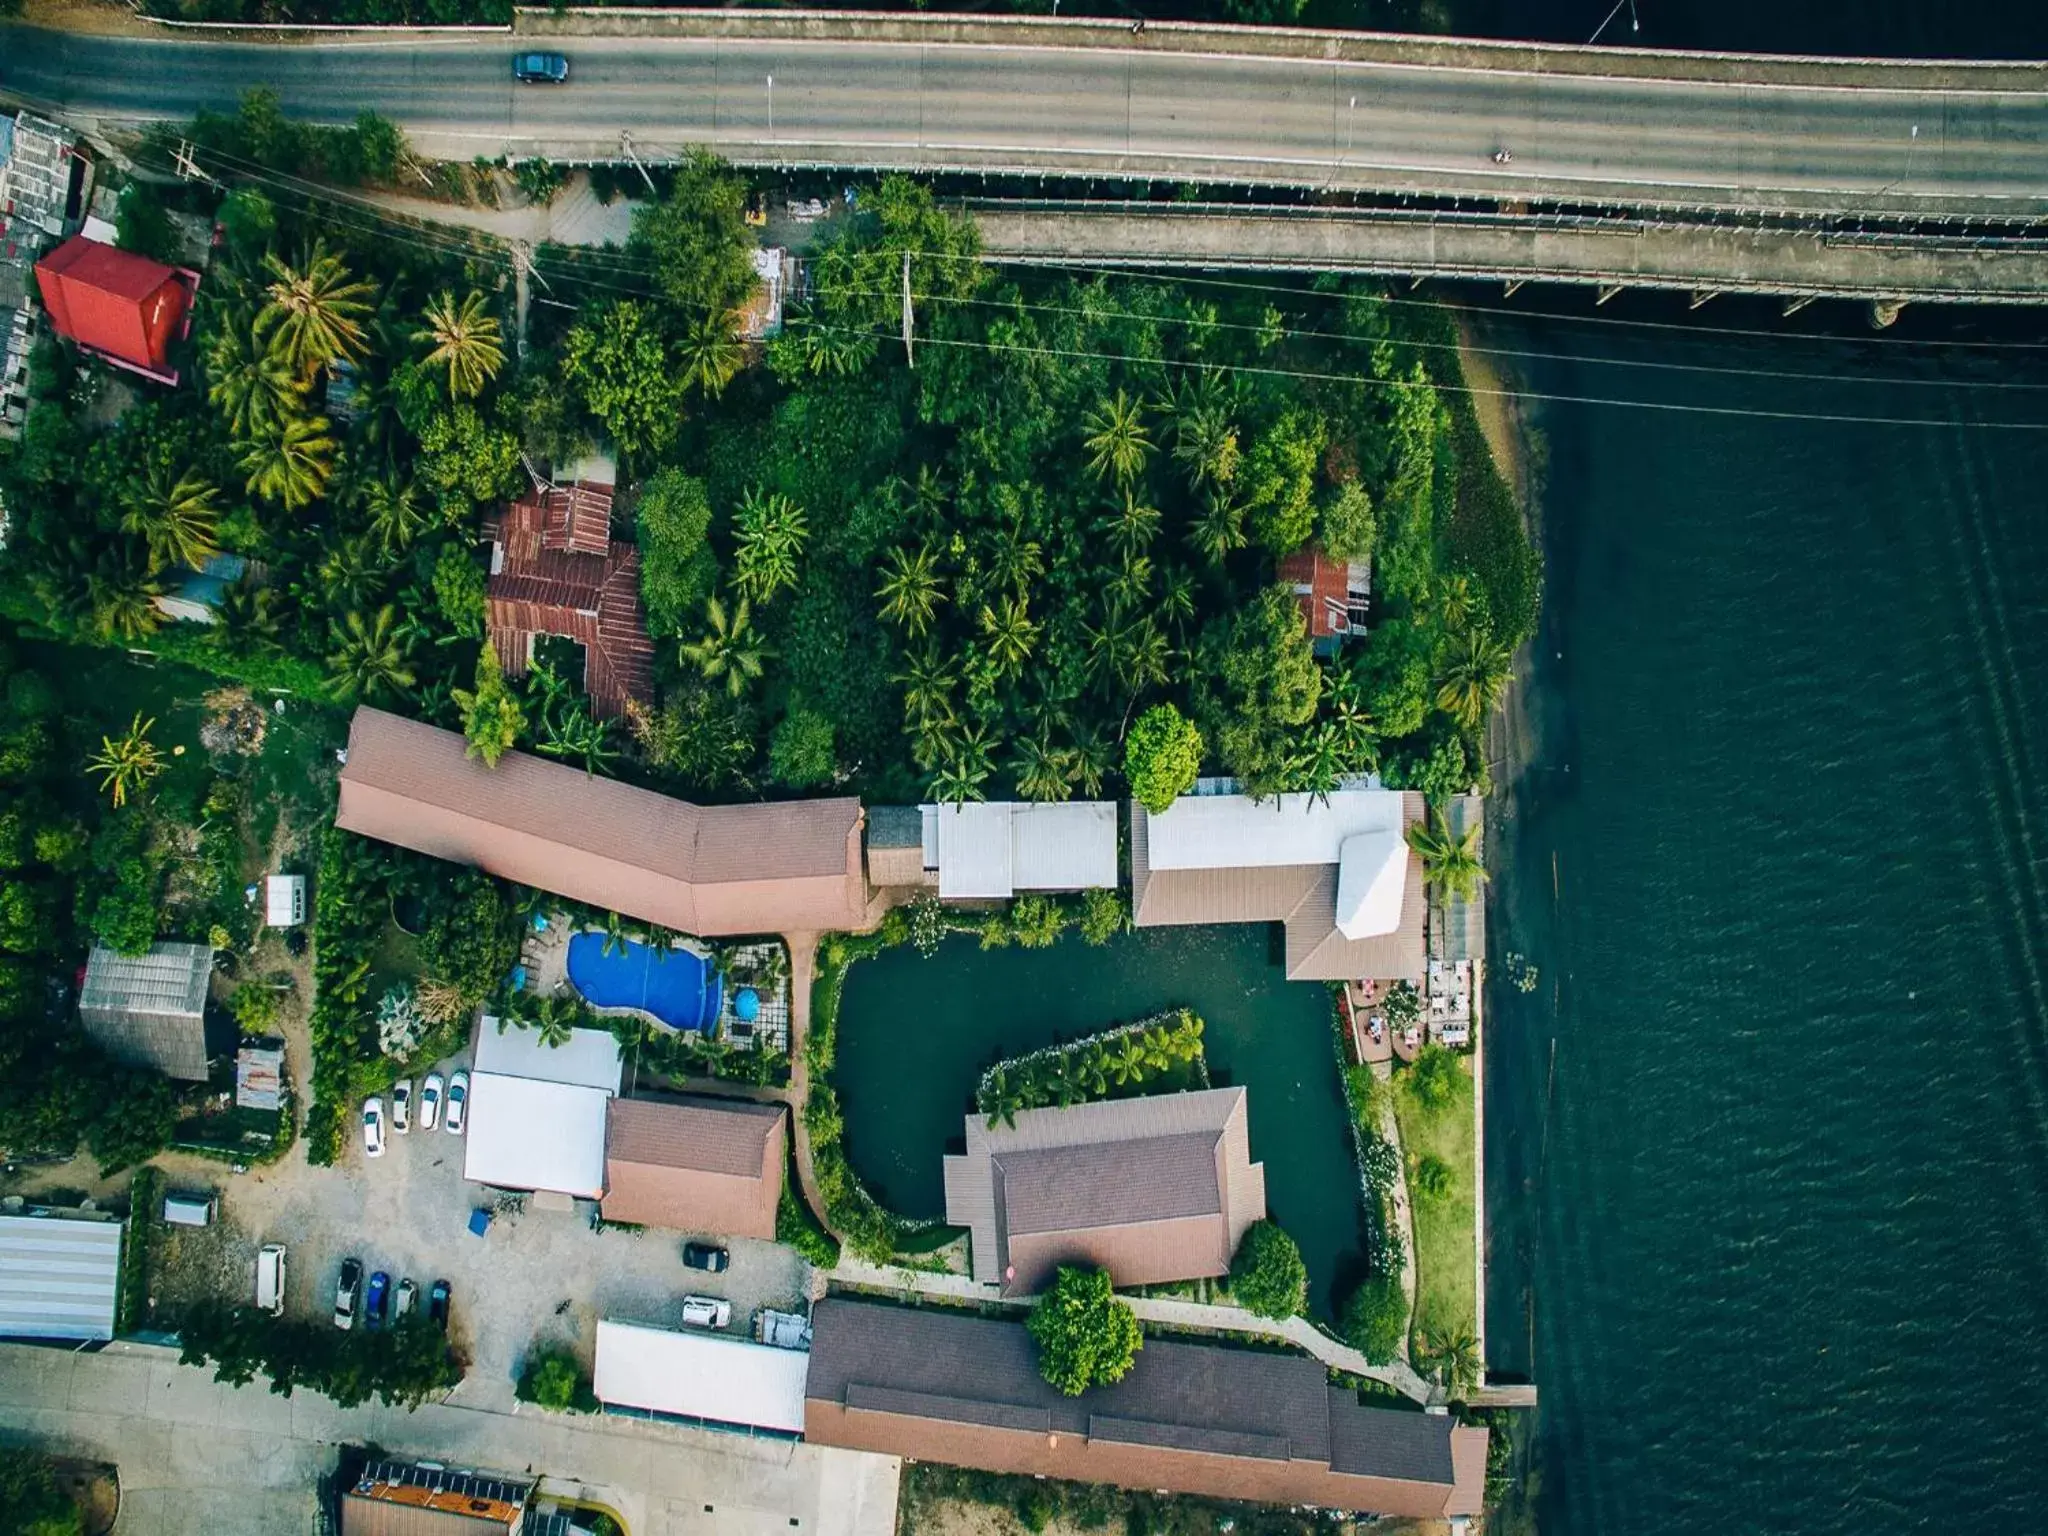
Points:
(1705, 173)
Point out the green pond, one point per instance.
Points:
(916, 1033)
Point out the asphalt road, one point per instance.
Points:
(1109, 111)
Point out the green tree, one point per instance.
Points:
(1267, 1276)
(315, 312)
(677, 568)
(1086, 1337)
(32, 1503)
(728, 651)
(466, 459)
(178, 519)
(1036, 922)
(800, 752)
(1450, 863)
(1103, 916)
(1391, 675)
(1347, 524)
(1278, 480)
(911, 591)
(1375, 1320)
(466, 341)
(491, 717)
(768, 541)
(1118, 444)
(1434, 1079)
(1431, 1179)
(1162, 757)
(459, 591)
(696, 239)
(368, 662)
(247, 219)
(621, 370)
(1256, 685)
(1476, 669)
(125, 764)
(711, 352)
(291, 466)
(551, 1380)
(255, 390)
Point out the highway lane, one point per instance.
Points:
(1117, 111)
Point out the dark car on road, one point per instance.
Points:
(539, 68)
(437, 1304)
(373, 1303)
(706, 1256)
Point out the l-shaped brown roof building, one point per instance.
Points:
(1152, 1189)
(717, 870)
(948, 1386)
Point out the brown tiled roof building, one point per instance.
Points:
(1151, 1189)
(951, 1387)
(399, 1498)
(557, 570)
(789, 866)
(695, 1164)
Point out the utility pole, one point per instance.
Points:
(626, 143)
(909, 319)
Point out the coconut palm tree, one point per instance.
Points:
(368, 662)
(768, 535)
(1476, 672)
(711, 352)
(927, 686)
(1453, 1356)
(911, 590)
(1132, 582)
(728, 651)
(1042, 771)
(291, 467)
(126, 763)
(965, 765)
(119, 596)
(1450, 863)
(1011, 632)
(1455, 602)
(316, 312)
(351, 574)
(1017, 560)
(1117, 442)
(1131, 527)
(394, 514)
(254, 390)
(1205, 444)
(178, 519)
(1093, 756)
(466, 341)
(1219, 528)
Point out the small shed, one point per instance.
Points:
(259, 1075)
(60, 1277)
(284, 901)
(150, 1009)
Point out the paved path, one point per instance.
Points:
(200, 1459)
(1099, 101)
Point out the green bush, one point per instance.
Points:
(1086, 1337)
(1162, 756)
(1433, 1078)
(1375, 1320)
(1103, 916)
(553, 1379)
(1267, 1276)
(799, 1229)
(32, 1502)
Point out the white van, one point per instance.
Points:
(706, 1312)
(270, 1278)
(189, 1210)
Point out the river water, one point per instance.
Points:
(1768, 1141)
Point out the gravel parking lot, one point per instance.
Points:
(535, 1276)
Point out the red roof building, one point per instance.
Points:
(1334, 594)
(556, 570)
(116, 304)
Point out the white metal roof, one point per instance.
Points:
(1372, 874)
(997, 849)
(590, 1058)
(1237, 832)
(59, 1277)
(284, 901)
(528, 1134)
(700, 1375)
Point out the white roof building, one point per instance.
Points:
(284, 901)
(997, 849)
(59, 1277)
(701, 1376)
(537, 1113)
(590, 1058)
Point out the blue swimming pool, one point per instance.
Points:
(677, 987)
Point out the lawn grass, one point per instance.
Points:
(1446, 1278)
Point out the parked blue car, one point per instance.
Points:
(373, 1303)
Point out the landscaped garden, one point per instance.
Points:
(1433, 1104)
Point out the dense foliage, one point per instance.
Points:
(404, 1363)
(32, 1503)
(1151, 1056)
(1267, 1276)
(1086, 1337)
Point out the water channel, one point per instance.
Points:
(915, 1034)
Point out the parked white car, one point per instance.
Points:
(706, 1312)
(430, 1101)
(458, 1103)
(401, 1105)
(270, 1279)
(373, 1127)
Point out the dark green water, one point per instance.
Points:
(915, 1035)
(1768, 1146)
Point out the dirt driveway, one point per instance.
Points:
(533, 1276)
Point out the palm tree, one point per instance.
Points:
(315, 312)
(126, 763)
(350, 575)
(580, 735)
(1017, 558)
(120, 597)
(491, 717)
(255, 391)
(1011, 632)
(1132, 527)
(1475, 674)
(728, 648)
(966, 766)
(711, 352)
(1450, 862)
(1454, 602)
(1116, 440)
(910, 592)
(769, 535)
(178, 519)
(1219, 529)
(291, 467)
(1093, 756)
(1454, 1359)
(1205, 443)
(466, 341)
(836, 349)
(394, 514)
(1317, 766)
(1132, 583)
(367, 662)
(927, 686)
(1042, 771)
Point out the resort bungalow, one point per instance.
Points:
(1151, 1189)
(695, 1164)
(946, 1386)
(1336, 871)
(712, 870)
(149, 1010)
(995, 850)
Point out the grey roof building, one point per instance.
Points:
(150, 1009)
(60, 1277)
(1151, 1189)
(948, 1386)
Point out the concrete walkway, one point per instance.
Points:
(574, 217)
(1162, 1310)
(803, 975)
(201, 1459)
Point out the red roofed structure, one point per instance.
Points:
(556, 570)
(116, 304)
(1333, 594)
